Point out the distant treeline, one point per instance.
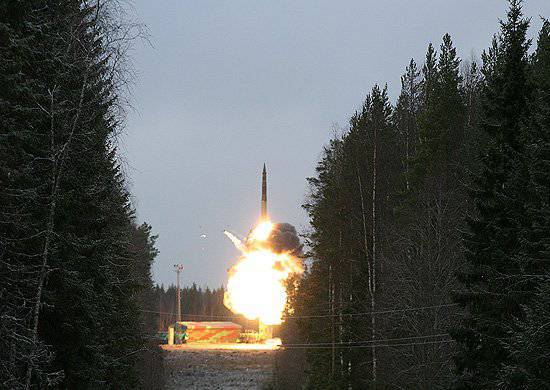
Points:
(74, 264)
(429, 263)
(197, 304)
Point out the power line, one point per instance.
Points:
(191, 315)
(318, 315)
(371, 341)
(374, 343)
(374, 312)
(314, 346)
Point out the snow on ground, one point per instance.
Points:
(218, 366)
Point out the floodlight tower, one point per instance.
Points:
(178, 268)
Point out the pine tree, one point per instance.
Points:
(492, 293)
(405, 117)
(426, 242)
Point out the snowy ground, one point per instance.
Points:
(218, 366)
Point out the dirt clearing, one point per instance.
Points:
(218, 366)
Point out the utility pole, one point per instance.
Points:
(178, 268)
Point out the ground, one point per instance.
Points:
(218, 366)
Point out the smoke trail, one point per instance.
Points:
(237, 242)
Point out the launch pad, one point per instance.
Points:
(255, 287)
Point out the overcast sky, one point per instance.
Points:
(229, 85)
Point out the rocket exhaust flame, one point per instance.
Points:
(261, 232)
(256, 285)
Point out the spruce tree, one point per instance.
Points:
(492, 294)
(68, 279)
(475, 140)
(442, 119)
(429, 75)
(530, 342)
(323, 289)
(29, 42)
(350, 206)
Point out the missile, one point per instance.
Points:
(265, 331)
(263, 214)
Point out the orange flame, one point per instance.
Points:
(256, 284)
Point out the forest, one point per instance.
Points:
(75, 265)
(430, 230)
(427, 252)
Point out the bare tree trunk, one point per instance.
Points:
(340, 303)
(49, 233)
(407, 161)
(370, 264)
(331, 300)
(374, 254)
(58, 165)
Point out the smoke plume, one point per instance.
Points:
(284, 238)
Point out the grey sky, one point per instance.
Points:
(231, 84)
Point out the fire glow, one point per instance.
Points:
(256, 284)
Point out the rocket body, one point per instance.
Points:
(263, 215)
(265, 331)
